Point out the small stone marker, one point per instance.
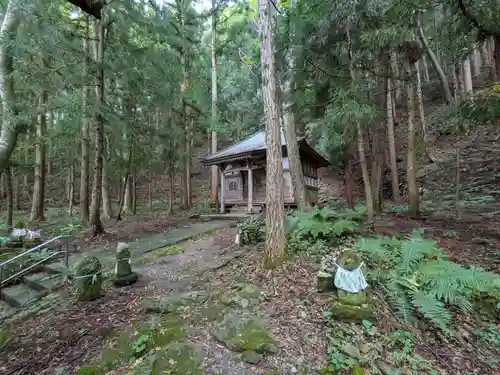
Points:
(325, 281)
(123, 271)
(352, 302)
(88, 279)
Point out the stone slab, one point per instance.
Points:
(20, 295)
(6, 311)
(43, 281)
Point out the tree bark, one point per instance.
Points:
(392, 144)
(37, 206)
(106, 199)
(85, 133)
(11, 126)
(361, 145)
(10, 201)
(213, 150)
(290, 127)
(275, 210)
(467, 77)
(413, 206)
(17, 190)
(434, 61)
(95, 211)
(71, 188)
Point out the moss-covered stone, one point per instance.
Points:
(126, 280)
(123, 270)
(4, 337)
(349, 260)
(240, 332)
(241, 295)
(173, 303)
(88, 279)
(324, 282)
(90, 370)
(353, 299)
(249, 356)
(178, 359)
(352, 313)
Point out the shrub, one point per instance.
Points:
(418, 278)
(251, 230)
(314, 232)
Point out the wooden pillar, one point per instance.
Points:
(222, 187)
(250, 188)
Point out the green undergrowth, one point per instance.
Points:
(312, 232)
(160, 342)
(419, 280)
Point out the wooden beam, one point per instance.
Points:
(92, 7)
(222, 187)
(250, 187)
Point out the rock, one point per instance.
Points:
(4, 337)
(178, 358)
(352, 313)
(242, 295)
(350, 350)
(173, 303)
(240, 333)
(249, 356)
(365, 347)
(324, 282)
(123, 270)
(349, 260)
(88, 279)
(90, 370)
(386, 368)
(353, 299)
(294, 370)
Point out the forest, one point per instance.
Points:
(115, 257)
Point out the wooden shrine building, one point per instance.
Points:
(243, 172)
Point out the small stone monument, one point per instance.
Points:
(88, 279)
(123, 270)
(352, 302)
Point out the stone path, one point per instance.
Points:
(169, 238)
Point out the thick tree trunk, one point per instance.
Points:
(71, 188)
(434, 61)
(37, 206)
(10, 124)
(413, 206)
(106, 200)
(467, 77)
(361, 147)
(17, 190)
(496, 54)
(10, 200)
(134, 193)
(95, 211)
(215, 169)
(85, 134)
(396, 195)
(127, 200)
(290, 127)
(275, 210)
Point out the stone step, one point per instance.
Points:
(55, 268)
(43, 281)
(6, 310)
(20, 295)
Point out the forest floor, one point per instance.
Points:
(215, 282)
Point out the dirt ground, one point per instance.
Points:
(68, 335)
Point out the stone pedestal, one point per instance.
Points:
(88, 279)
(123, 270)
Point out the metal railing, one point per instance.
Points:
(30, 251)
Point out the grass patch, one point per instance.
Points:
(165, 251)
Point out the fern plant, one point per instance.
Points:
(315, 231)
(419, 280)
